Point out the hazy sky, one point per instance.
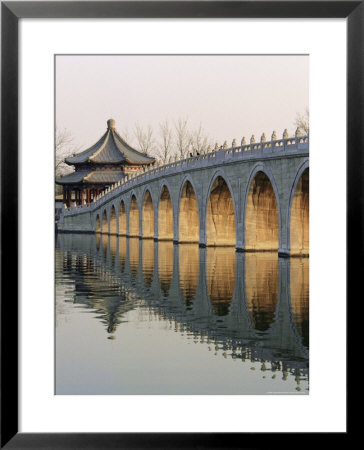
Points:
(231, 96)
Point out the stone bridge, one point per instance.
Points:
(254, 197)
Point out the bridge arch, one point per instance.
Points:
(122, 218)
(298, 213)
(133, 216)
(97, 224)
(261, 211)
(220, 217)
(113, 227)
(188, 213)
(165, 213)
(147, 214)
(105, 223)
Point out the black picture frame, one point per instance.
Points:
(11, 12)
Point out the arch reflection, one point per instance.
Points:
(113, 248)
(261, 288)
(148, 261)
(188, 272)
(104, 244)
(122, 252)
(299, 290)
(220, 278)
(165, 265)
(134, 255)
(98, 241)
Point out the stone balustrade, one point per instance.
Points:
(217, 156)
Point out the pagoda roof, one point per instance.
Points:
(110, 149)
(74, 177)
(92, 177)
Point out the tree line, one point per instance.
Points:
(170, 139)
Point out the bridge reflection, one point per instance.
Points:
(249, 306)
(261, 288)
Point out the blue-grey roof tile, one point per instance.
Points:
(110, 149)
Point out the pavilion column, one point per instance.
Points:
(82, 197)
(88, 196)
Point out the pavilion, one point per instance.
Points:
(105, 163)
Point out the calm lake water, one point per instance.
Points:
(143, 317)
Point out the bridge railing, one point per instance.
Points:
(223, 155)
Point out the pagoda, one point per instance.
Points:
(105, 163)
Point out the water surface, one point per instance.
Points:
(143, 317)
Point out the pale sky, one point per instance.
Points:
(231, 96)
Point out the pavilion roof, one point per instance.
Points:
(92, 177)
(110, 149)
(73, 178)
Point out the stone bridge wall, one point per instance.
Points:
(239, 196)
